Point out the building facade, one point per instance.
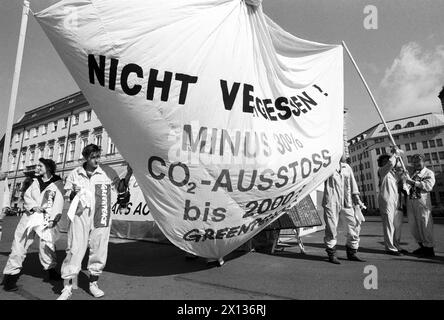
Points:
(423, 134)
(59, 131)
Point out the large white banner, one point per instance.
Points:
(225, 118)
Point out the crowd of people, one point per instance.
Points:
(399, 192)
(88, 188)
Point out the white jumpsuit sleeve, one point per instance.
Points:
(31, 196)
(69, 185)
(354, 184)
(6, 196)
(112, 175)
(428, 182)
(57, 206)
(389, 166)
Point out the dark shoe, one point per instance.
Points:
(10, 282)
(428, 253)
(332, 258)
(215, 263)
(351, 255)
(419, 251)
(394, 253)
(189, 256)
(53, 275)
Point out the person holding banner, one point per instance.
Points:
(89, 188)
(43, 201)
(340, 195)
(390, 201)
(419, 206)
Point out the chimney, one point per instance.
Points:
(441, 97)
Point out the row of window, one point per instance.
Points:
(365, 187)
(396, 137)
(30, 158)
(408, 147)
(431, 143)
(43, 129)
(410, 124)
(358, 172)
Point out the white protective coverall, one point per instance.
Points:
(91, 222)
(389, 202)
(337, 203)
(51, 199)
(6, 196)
(419, 207)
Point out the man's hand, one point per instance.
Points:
(38, 209)
(53, 223)
(410, 181)
(124, 210)
(76, 188)
(396, 151)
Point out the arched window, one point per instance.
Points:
(423, 122)
(397, 127)
(384, 129)
(410, 124)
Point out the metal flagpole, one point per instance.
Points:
(373, 99)
(12, 101)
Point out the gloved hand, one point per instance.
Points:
(38, 209)
(123, 198)
(358, 214)
(129, 170)
(53, 223)
(76, 188)
(124, 210)
(397, 151)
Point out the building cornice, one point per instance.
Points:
(67, 104)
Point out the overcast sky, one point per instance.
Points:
(403, 60)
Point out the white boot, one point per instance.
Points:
(66, 293)
(95, 291)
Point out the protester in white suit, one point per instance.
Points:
(89, 187)
(419, 206)
(340, 195)
(43, 201)
(389, 200)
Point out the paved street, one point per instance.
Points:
(143, 270)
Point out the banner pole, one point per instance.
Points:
(373, 99)
(14, 89)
